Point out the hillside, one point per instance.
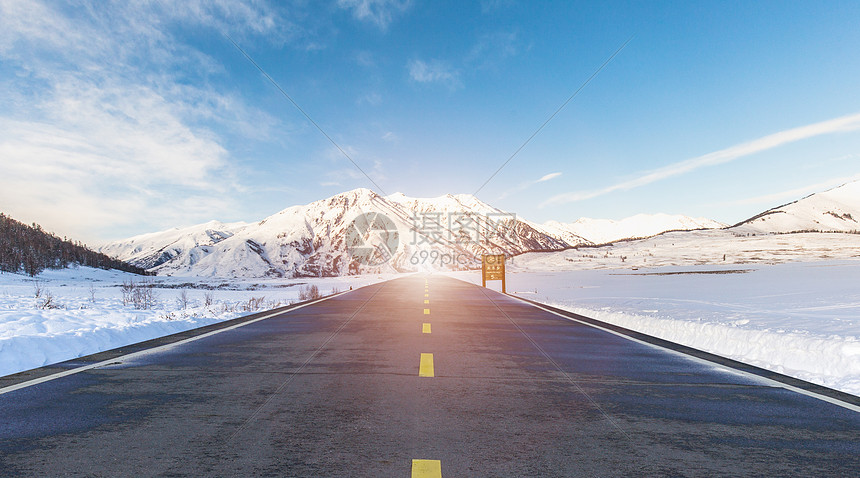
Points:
(31, 250)
(603, 231)
(360, 231)
(332, 237)
(835, 210)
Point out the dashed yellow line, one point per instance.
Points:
(425, 328)
(426, 469)
(426, 311)
(426, 295)
(425, 367)
(426, 301)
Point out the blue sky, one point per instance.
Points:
(120, 118)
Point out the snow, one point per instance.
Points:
(785, 302)
(603, 231)
(316, 239)
(717, 246)
(835, 210)
(798, 318)
(91, 317)
(801, 319)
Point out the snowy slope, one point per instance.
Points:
(152, 250)
(319, 239)
(603, 231)
(836, 210)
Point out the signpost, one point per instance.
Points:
(493, 268)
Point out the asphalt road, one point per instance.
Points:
(348, 387)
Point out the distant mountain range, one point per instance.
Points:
(360, 231)
(835, 210)
(603, 231)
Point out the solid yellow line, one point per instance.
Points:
(426, 469)
(425, 368)
(426, 311)
(425, 328)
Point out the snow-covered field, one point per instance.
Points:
(90, 315)
(801, 319)
(742, 297)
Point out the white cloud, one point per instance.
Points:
(549, 176)
(836, 125)
(491, 49)
(89, 168)
(490, 6)
(373, 99)
(378, 12)
(527, 184)
(100, 127)
(434, 72)
(797, 193)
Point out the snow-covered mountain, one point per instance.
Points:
(835, 210)
(356, 231)
(603, 231)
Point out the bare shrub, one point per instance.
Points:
(208, 299)
(183, 299)
(309, 292)
(140, 295)
(253, 304)
(48, 302)
(127, 288)
(37, 289)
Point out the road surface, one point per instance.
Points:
(419, 376)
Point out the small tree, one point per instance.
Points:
(183, 299)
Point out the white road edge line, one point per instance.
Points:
(65, 373)
(786, 386)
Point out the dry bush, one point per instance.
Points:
(139, 294)
(309, 292)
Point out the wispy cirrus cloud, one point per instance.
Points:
(836, 125)
(491, 49)
(528, 184)
(774, 199)
(434, 71)
(378, 12)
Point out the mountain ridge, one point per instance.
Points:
(360, 231)
(834, 210)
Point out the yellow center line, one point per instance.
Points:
(426, 469)
(426, 295)
(426, 311)
(426, 301)
(425, 367)
(425, 328)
